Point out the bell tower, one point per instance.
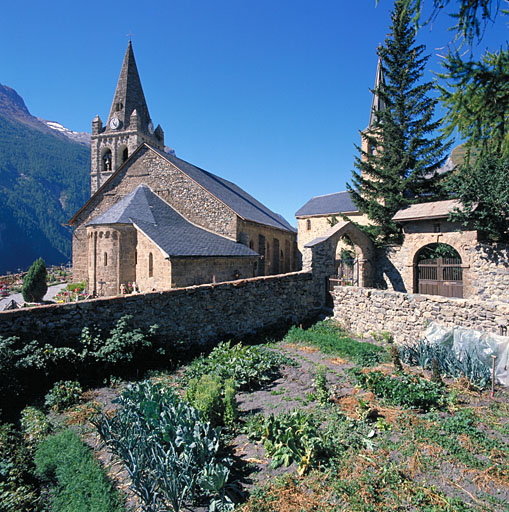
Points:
(128, 125)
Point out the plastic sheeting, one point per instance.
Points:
(463, 340)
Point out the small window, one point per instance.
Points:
(436, 228)
(308, 224)
(136, 257)
(119, 106)
(105, 259)
(150, 265)
(125, 155)
(251, 245)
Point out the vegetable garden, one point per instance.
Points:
(317, 421)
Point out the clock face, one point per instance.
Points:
(151, 128)
(114, 123)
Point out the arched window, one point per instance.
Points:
(136, 257)
(125, 155)
(308, 224)
(106, 160)
(251, 244)
(105, 259)
(150, 265)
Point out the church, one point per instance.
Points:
(158, 221)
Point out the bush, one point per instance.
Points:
(18, 484)
(81, 484)
(63, 395)
(34, 425)
(331, 338)
(249, 366)
(34, 282)
(404, 390)
(170, 453)
(215, 400)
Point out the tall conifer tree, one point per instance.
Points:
(398, 165)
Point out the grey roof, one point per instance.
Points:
(232, 195)
(328, 204)
(377, 104)
(171, 232)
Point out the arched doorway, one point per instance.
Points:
(347, 262)
(438, 271)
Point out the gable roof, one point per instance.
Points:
(171, 232)
(230, 194)
(237, 199)
(329, 204)
(421, 211)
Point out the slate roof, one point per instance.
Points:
(433, 210)
(171, 232)
(232, 195)
(328, 204)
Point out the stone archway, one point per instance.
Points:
(438, 270)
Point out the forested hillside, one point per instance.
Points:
(44, 179)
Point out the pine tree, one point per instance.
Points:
(34, 283)
(403, 154)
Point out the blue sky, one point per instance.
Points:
(270, 94)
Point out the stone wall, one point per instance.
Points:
(407, 315)
(196, 314)
(485, 266)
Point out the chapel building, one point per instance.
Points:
(158, 221)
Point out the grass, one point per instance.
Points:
(331, 338)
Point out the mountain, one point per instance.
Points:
(81, 137)
(44, 180)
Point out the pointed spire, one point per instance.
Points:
(129, 95)
(378, 104)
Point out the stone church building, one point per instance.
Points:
(161, 222)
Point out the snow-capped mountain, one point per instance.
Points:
(81, 137)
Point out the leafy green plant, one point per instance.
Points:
(405, 390)
(34, 282)
(34, 425)
(331, 338)
(81, 484)
(290, 437)
(63, 395)
(215, 400)
(467, 363)
(320, 382)
(249, 366)
(171, 455)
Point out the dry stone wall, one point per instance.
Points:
(195, 315)
(407, 315)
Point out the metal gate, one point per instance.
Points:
(440, 276)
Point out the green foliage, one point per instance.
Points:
(34, 425)
(44, 180)
(18, 485)
(81, 484)
(249, 366)
(63, 395)
(171, 455)
(403, 390)
(331, 338)
(215, 400)
(321, 388)
(476, 96)
(34, 282)
(483, 190)
(466, 364)
(399, 167)
(290, 437)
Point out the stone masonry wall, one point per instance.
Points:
(196, 314)
(407, 315)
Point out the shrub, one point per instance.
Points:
(249, 366)
(34, 425)
(63, 395)
(18, 485)
(34, 282)
(320, 383)
(331, 338)
(213, 399)
(405, 390)
(81, 484)
(170, 453)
